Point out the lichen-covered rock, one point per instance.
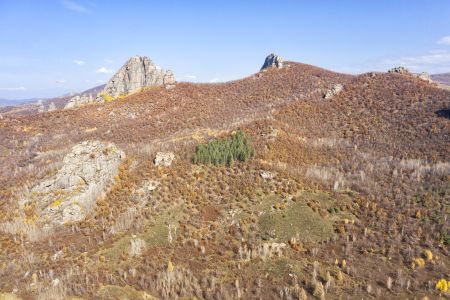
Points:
(273, 61)
(164, 158)
(71, 193)
(336, 89)
(138, 72)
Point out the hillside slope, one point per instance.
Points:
(345, 197)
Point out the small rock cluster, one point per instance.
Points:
(273, 61)
(267, 174)
(425, 76)
(164, 159)
(404, 71)
(81, 100)
(72, 192)
(336, 89)
(399, 70)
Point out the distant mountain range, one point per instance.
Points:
(14, 102)
(443, 78)
(29, 106)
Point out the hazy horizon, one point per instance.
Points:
(50, 48)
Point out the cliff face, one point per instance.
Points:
(136, 73)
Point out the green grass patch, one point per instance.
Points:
(296, 220)
(154, 235)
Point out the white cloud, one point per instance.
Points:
(190, 76)
(214, 80)
(104, 70)
(428, 59)
(79, 62)
(73, 6)
(19, 88)
(101, 81)
(444, 40)
(108, 61)
(61, 81)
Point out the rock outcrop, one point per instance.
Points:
(138, 72)
(425, 76)
(404, 71)
(267, 174)
(273, 61)
(164, 159)
(336, 89)
(399, 70)
(80, 100)
(71, 193)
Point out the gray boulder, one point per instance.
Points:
(138, 72)
(272, 61)
(336, 89)
(72, 192)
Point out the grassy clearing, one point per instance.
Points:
(154, 234)
(296, 220)
(122, 292)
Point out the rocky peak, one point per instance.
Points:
(273, 61)
(136, 73)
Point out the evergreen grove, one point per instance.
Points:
(225, 151)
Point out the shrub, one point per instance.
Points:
(107, 97)
(442, 285)
(225, 151)
(122, 96)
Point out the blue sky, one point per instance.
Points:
(51, 47)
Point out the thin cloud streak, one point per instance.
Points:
(20, 88)
(79, 62)
(73, 6)
(444, 40)
(104, 70)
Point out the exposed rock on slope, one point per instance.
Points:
(336, 89)
(425, 76)
(273, 61)
(70, 194)
(164, 158)
(78, 101)
(136, 73)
